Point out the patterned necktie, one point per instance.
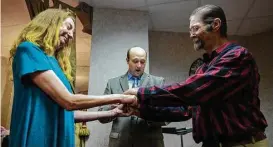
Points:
(135, 83)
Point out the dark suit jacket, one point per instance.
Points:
(133, 131)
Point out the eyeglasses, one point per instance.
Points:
(194, 29)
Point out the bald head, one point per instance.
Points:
(136, 60)
(135, 50)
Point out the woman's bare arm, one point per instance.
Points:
(53, 86)
(84, 116)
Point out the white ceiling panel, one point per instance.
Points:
(156, 2)
(142, 8)
(166, 21)
(119, 4)
(172, 14)
(261, 8)
(256, 25)
(234, 9)
(182, 8)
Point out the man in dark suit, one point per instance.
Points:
(133, 131)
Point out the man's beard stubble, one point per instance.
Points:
(199, 45)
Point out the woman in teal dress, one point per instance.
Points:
(43, 101)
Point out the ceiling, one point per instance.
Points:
(245, 17)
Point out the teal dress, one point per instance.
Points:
(37, 120)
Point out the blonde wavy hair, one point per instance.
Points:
(43, 31)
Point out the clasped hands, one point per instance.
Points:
(128, 105)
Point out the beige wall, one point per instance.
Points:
(12, 21)
(171, 55)
(261, 47)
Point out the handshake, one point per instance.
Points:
(128, 104)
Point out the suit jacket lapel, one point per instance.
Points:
(124, 82)
(144, 80)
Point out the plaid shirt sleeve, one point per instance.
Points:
(160, 114)
(226, 75)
